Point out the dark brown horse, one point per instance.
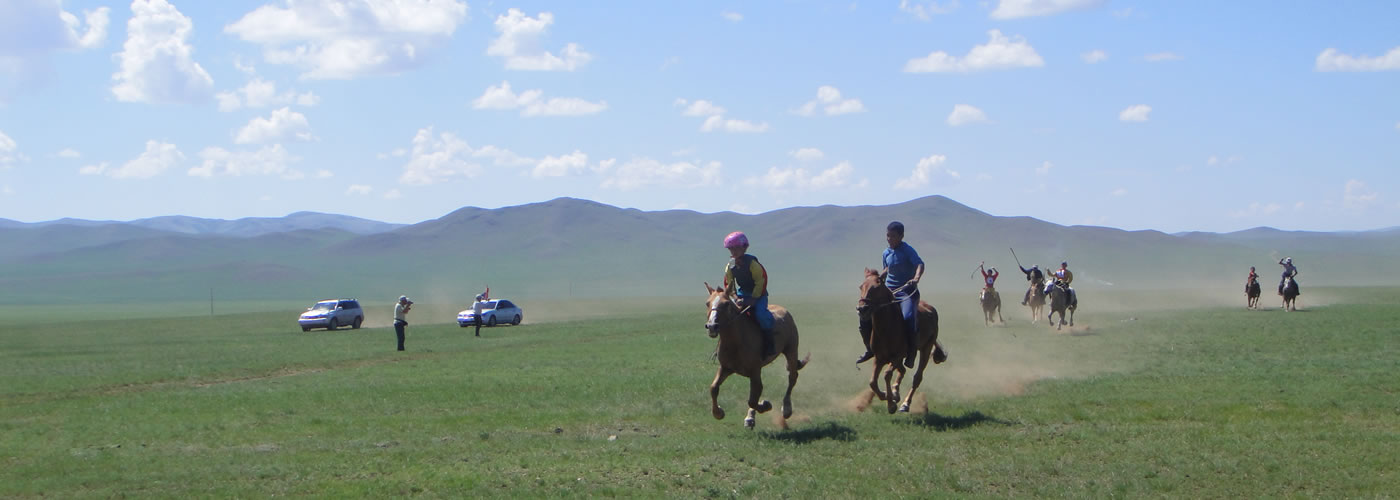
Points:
(1251, 294)
(991, 303)
(1037, 300)
(888, 342)
(741, 351)
(1060, 302)
(1290, 294)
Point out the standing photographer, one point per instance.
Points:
(400, 309)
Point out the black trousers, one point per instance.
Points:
(478, 326)
(398, 329)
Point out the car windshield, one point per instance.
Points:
(323, 306)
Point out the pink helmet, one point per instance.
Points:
(736, 239)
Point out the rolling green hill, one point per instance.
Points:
(576, 248)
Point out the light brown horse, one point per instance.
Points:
(1037, 300)
(991, 302)
(741, 351)
(888, 342)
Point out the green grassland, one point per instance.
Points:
(1147, 396)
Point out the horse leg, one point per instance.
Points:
(875, 378)
(755, 391)
(1071, 317)
(918, 379)
(714, 392)
(793, 366)
(891, 388)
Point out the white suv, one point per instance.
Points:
(332, 314)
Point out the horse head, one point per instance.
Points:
(873, 292)
(721, 308)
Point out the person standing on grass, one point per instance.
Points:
(903, 270)
(478, 307)
(400, 310)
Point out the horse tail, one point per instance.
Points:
(803, 363)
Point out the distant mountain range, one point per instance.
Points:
(572, 247)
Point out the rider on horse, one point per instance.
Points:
(1253, 276)
(903, 270)
(989, 277)
(749, 279)
(1063, 277)
(1033, 275)
(1289, 271)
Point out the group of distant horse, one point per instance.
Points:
(1059, 295)
(1289, 292)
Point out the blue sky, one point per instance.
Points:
(1214, 116)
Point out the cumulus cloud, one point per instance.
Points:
(519, 44)
(645, 173)
(445, 157)
(699, 108)
(392, 194)
(69, 153)
(282, 124)
(829, 101)
(1012, 9)
(271, 160)
(1136, 113)
(1356, 195)
(1119, 192)
(343, 39)
(259, 93)
(714, 123)
(731, 16)
(1000, 52)
(158, 157)
(9, 151)
(964, 114)
(1162, 57)
(1094, 56)
(560, 166)
(358, 190)
(800, 179)
(924, 10)
(31, 30)
(1332, 60)
(929, 170)
(531, 103)
(807, 154)
(157, 62)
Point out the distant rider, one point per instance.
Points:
(903, 270)
(1289, 271)
(744, 275)
(1253, 276)
(1063, 277)
(1033, 276)
(989, 278)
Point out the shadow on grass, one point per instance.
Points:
(829, 430)
(942, 423)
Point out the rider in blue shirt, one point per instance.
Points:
(903, 270)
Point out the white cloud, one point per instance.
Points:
(9, 151)
(157, 63)
(436, 159)
(646, 172)
(807, 154)
(964, 114)
(158, 157)
(1229, 160)
(1044, 168)
(358, 190)
(271, 160)
(699, 108)
(1331, 60)
(7, 191)
(259, 93)
(1094, 56)
(714, 123)
(1136, 113)
(68, 153)
(1012, 9)
(324, 174)
(392, 194)
(926, 9)
(1397, 126)
(519, 44)
(1119, 192)
(342, 39)
(830, 101)
(928, 170)
(560, 166)
(999, 52)
(30, 30)
(799, 179)
(1357, 195)
(1256, 209)
(282, 124)
(731, 16)
(531, 104)
(1162, 57)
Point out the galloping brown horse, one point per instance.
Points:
(888, 342)
(1037, 301)
(991, 302)
(1060, 301)
(741, 351)
(1251, 294)
(1290, 294)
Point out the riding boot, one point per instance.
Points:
(865, 328)
(1026, 298)
(911, 353)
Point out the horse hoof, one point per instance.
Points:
(748, 422)
(787, 411)
(892, 407)
(764, 406)
(904, 408)
(718, 413)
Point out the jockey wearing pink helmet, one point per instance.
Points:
(748, 280)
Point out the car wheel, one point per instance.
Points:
(332, 325)
(358, 320)
(491, 321)
(515, 321)
(305, 329)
